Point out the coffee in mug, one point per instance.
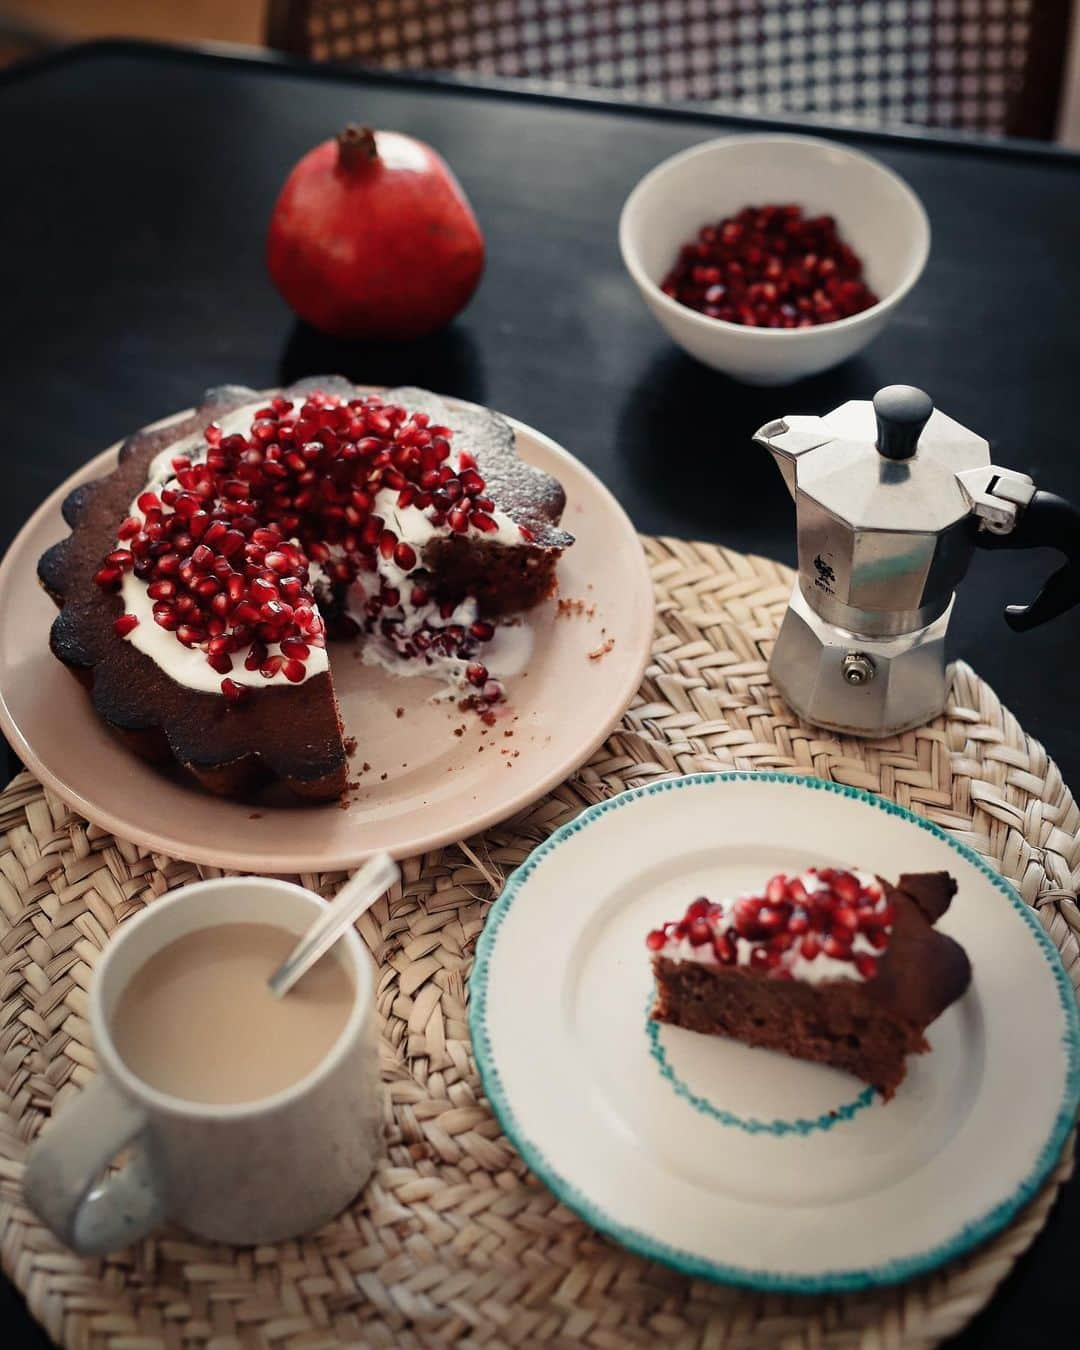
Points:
(242, 1121)
(198, 1020)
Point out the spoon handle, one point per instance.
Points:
(355, 898)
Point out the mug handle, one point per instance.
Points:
(63, 1182)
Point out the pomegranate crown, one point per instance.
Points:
(356, 146)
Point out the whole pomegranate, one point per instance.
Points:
(372, 237)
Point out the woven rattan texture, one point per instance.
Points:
(453, 1242)
(950, 63)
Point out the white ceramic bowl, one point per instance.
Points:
(876, 213)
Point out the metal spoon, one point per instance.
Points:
(355, 898)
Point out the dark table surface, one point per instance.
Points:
(137, 186)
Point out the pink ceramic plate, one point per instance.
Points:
(424, 784)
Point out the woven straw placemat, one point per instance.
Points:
(453, 1242)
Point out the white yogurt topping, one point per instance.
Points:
(505, 655)
(816, 970)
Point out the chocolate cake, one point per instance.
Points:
(837, 967)
(202, 577)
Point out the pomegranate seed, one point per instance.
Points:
(724, 949)
(255, 657)
(293, 671)
(405, 556)
(220, 661)
(262, 591)
(799, 921)
(809, 947)
(471, 483)
(147, 502)
(234, 693)
(165, 615)
(836, 947)
(190, 634)
(763, 959)
(482, 630)
(129, 528)
(845, 917)
(748, 919)
(125, 624)
(108, 578)
(866, 965)
(476, 673)
(483, 522)
(775, 889)
(527, 534)
(699, 932)
(271, 666)
(458, 520)
(293, 647)
(846, 887)
(697, 908)
(655, 940)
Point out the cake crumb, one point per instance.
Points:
(352, 785)
(399, 712)
(600, 652)
(350, 747)
(508, 733)
(564, 608)
(366, 768)
(382, 778)
(459, 731)
(255, 815)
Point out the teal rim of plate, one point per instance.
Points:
(778, 1128)
(694, 1264)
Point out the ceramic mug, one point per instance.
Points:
(253, 1172)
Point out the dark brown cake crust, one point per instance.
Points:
(866, 1028)
(289, 733)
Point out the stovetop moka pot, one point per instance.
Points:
(892, 499)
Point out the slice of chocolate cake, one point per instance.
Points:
(197, 583)
(837, 967)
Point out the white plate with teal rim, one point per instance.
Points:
(743, 1165)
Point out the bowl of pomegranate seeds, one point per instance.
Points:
(773, 257)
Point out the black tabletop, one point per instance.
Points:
(138, 182)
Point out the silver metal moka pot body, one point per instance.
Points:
(892, 498)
